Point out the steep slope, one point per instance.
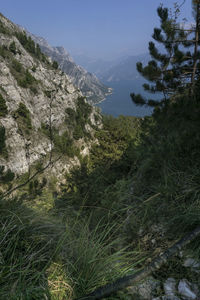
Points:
(43, 117)
(88, 83)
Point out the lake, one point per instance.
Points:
(120, 103)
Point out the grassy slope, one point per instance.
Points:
(143, 173)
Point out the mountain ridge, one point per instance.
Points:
(88, 83)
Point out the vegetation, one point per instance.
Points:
(30, 46)
(23, 77)
(4, 29)
(3, 150)
(64, 144)
(13, 48)
(175, 69)
(55, 65)
(134, 196)
(6, 176)
(3, 107)
(77, 119)
(23, 117)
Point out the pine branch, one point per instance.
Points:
(126, 281)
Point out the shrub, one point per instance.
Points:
(47, 93)
(30, 46)
(13, 48)
(3, 107)
(4, 52)
(6, 177)
(2, 139)
(64, 144)
(55, 65)
(24, 114)
(4, 29)
(17, 66)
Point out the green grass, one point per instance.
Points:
(42, 258)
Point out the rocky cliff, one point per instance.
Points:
(44, 118)
(88, 83)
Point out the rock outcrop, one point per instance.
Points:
(88, 83)
(43, 116)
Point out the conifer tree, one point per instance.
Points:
(175, 69)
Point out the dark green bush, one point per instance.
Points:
(6, 176)
(30, 46)
(4, 52)
(64, 144)
(47, 93)
(3, 107)
(2, 140)
(55, 65)
(4, 29)
(13, 48)
(23, 115)
(17, 66)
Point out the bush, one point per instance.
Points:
(2, 139)
(4, 29)
(55, 65)
(30, 46)
(17, 66)
(24, 115)
(4, 52)
(64, 144)
(3, 107)
(6, 177)
(13, 48)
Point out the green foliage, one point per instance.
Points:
(98, 180)
(77, 119)
(47, 93)
(3, 107)
(23, 77)
(171, 71)
(17, 66)
(23, 116)
(4, 52)
(30, 46)
(55, 65)
(27, 81)
(4, 29)
(6, 176)
(64, 144)
(2, 140)
(13, 48)
(166, 181)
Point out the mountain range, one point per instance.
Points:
(88, 83)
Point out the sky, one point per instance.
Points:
(104, 29)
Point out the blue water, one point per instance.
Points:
(120, 103)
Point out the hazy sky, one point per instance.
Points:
(97, 28)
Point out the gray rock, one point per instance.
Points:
(185, 289)
(147, 289)
(191, 263)
(170, 298)
(170, 287)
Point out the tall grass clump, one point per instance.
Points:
(42, 258)
(28, 244)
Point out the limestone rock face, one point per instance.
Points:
(44, 110)
(88, 83)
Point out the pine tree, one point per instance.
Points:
(175, 69)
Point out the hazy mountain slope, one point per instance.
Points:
(124, 70)
(88, 83)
